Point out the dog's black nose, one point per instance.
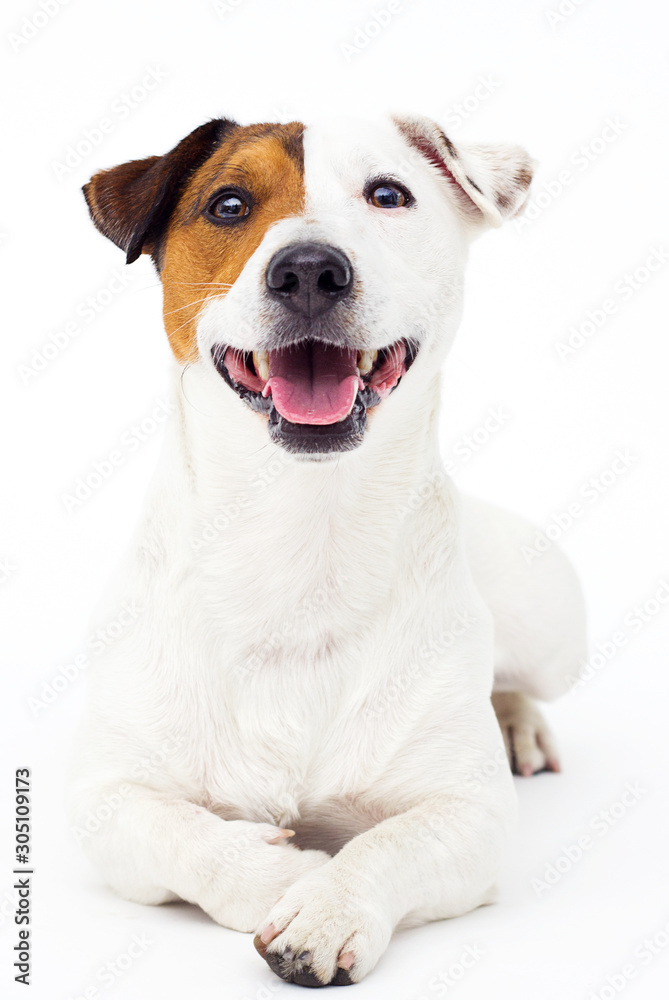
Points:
(309, 278)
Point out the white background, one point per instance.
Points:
(552, 85)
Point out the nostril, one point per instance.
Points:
(290, 283)
(332, 283)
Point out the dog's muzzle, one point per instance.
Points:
(313, 384)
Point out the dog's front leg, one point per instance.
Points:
(438, 859)
(155, 848)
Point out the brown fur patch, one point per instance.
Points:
(199, 258)
(131, 204)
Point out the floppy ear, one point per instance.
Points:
(490, 181)
(131, 204)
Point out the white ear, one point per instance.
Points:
(490, 181)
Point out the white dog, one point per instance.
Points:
(296, 733)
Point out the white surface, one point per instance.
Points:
(553, 89)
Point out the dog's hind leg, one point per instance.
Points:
(529, 743)
(540, 632)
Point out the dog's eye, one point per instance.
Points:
(228, 206)
(388, 195)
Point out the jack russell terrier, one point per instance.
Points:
(335, 652)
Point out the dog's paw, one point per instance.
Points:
(253, 869)
(322, 933)
(529, 742)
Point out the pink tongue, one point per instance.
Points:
(313, 384)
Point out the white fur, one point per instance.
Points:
(281, 667)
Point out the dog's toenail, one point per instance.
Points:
(268, 934)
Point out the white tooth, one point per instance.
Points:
(261, 361)
(366, 361)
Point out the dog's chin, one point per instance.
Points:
(247, 374)
(317, 441)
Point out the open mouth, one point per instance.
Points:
(315, 395)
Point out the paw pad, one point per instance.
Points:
(297, 968)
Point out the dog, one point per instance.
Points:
(306, 729)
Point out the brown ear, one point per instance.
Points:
(131, 204)
(490, 182)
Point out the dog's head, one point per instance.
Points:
(309, 268)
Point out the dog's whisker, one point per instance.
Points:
(187, 399)
(190, 320)
(188, 305)
(259, 451)
(205, 284)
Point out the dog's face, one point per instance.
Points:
(311, 267)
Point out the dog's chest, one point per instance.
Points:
(285, 740)
(288, 669)
(299, 734)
